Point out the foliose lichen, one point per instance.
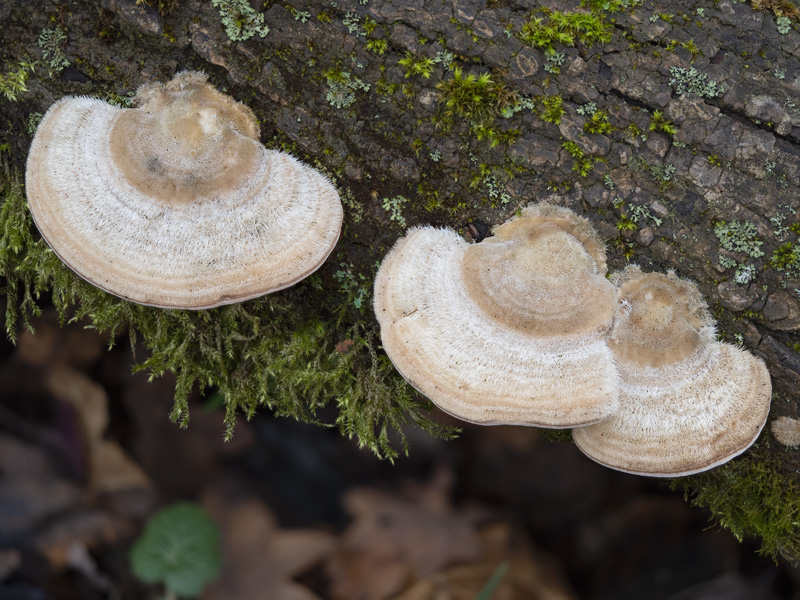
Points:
(51, 42)
(240, 20)
(739, 236)
(342, 87)
(686, 81)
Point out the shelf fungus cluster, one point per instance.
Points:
(525, 328)
(175, 203)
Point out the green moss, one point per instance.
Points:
(660, 123)
(14, 81)
(565, 28)
(780, 8)
(557, 435)
(552, 109)
(479, 100)
(582, 163)
(624, 246)
(612, 5)
(598, 123)
(787, 259)
(692, 48)
(164, 7)
(378, 46)
(294, 352)
(752, 496)
(633, 132)
(415, 65)
(370, 25)
(626, 224)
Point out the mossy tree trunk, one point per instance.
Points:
(674, 127)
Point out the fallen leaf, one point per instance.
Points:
(111, 469)
(396, 539)
(529, 575)
(259, 558)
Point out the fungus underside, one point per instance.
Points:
(277, 351)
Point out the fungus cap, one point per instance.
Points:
(687, 402)
(787, 431)
(175, 203)
(492, 332)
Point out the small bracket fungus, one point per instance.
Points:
(787, 431)
(175, 203)
(508, 331)
(687, 402)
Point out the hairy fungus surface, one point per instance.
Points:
(787, 431)
(687, 402)
(175, 203)
(507, 331)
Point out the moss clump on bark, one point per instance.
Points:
(752, 496)
(286, 351)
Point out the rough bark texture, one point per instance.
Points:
(673, 192)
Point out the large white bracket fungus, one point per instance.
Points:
(508, 331)
(175, 203)
(687, 402)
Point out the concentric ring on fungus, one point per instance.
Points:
(175, 203)
(688, 403)
(507, 331)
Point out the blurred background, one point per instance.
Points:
(88, 454)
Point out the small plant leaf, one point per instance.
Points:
(180, 547)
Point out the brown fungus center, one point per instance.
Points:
(540, 275)
(655, 325)
(186, 143)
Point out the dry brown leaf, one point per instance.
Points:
(259, 558)
(88, 398)
(396, 539)
(38, 501)
(111, 469)
(529, 576)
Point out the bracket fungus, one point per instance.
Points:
(787, 431)
(503, 331)
(687, 402)
(175, 203)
